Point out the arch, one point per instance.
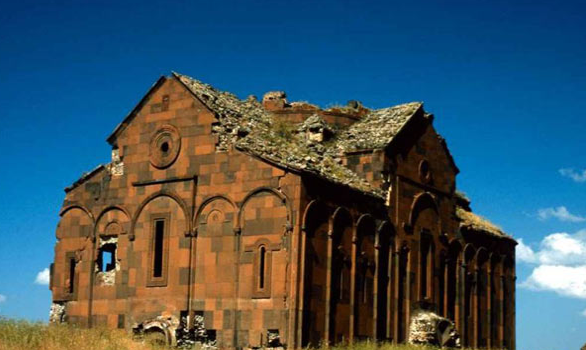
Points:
(469, 253)
(108, 210)
(162, 193)
(340, 213)
(385, 227)
(209, 200)
(365, 219)
(78, 206)
(421, 202)
(270, 190)
(315, 207)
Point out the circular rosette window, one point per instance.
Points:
(165, 146)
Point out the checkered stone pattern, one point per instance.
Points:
(266, 255)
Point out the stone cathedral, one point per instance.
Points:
(244, 223)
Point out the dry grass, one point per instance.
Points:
(23, 335)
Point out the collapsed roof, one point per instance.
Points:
(248, 127)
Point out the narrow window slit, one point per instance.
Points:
(158, 251)
(261, 272)
(71, 275)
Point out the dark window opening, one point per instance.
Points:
(107, 257)
(158, 248)
(71, 275)
(165, 147)
(261, 268)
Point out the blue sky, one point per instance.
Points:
(505, 79)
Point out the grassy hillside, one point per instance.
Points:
(23, 335)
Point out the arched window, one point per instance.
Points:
(262, 256)
(261, 270)
(159, 250)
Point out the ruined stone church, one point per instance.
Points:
(278, 223)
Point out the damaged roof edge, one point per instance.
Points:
(302, 172)
(476, 223)
(120, 127)
(405, 126)
(85, 177)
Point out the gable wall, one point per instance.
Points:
(234, 204)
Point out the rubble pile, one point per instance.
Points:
(57, 313)
(427, 328)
